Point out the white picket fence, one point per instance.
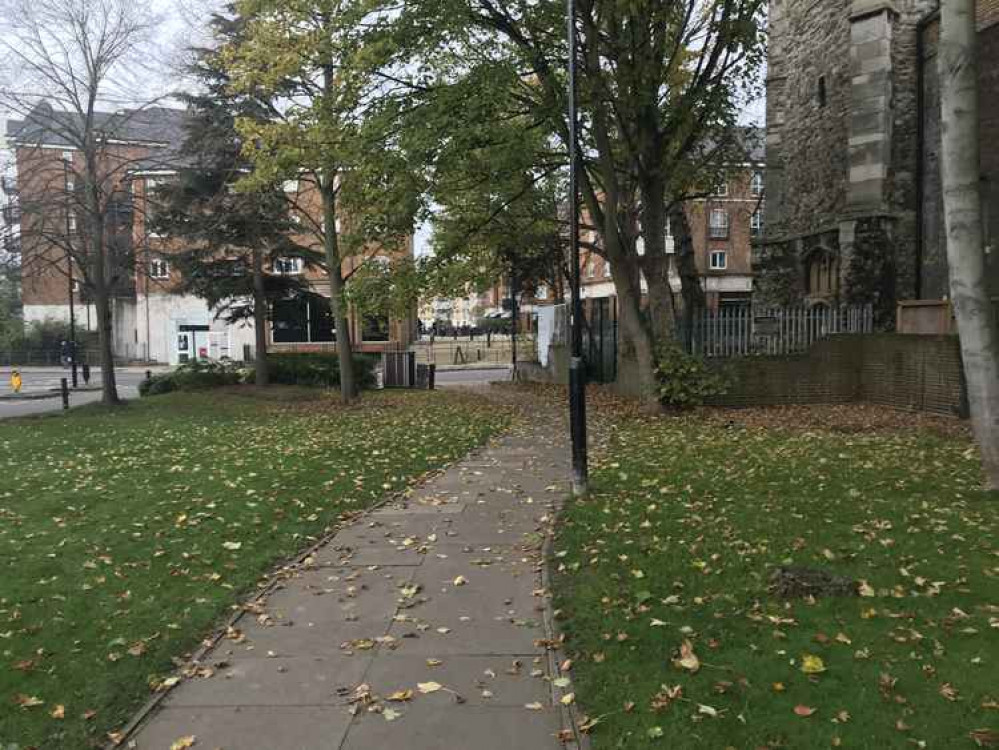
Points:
(742, 331)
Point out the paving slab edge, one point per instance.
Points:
(272, 578)
(569, 714)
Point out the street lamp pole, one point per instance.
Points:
(577, 374)
(69, 273)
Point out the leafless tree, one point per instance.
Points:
(72, 73)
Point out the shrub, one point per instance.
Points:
(319, 369)
(195, 376)
(686, 380)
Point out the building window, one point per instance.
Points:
(591, 268)
(375, 327)
(756, 224)
(721, 189)
(72, 221)
(303, 320)
(607, 269)
(719, 224)
(288, 266)
(152, 186)
(541, 292)
(756, 185)
(719, 260)
(290, 186)
(67, 156)
(159, 269)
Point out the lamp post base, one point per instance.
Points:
(577, 425)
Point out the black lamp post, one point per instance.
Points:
(577, 373)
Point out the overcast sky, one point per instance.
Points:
(184, 25)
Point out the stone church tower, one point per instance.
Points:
(853, 208)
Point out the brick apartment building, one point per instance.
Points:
(854, 207)
(152, 320)
(723, 228)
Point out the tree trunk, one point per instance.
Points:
(348, 389)
(655, 263)
(691, 291)
(105, 343)
(261, 374)
(662, 321)
(958, 67)
(636, 338)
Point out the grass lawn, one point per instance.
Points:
(125, 535)
(689, 518)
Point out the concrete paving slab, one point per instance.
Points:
(302, 639)
(346, 625)
(371, 555)
(497, 681)
(498, 528)
(338, 595)
(477, 636)
(495, 590)
(389, 530)
(248, 728)
(425, 727)
(296, 681)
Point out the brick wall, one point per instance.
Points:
(917, 373)
(921, 373)
(826, 375)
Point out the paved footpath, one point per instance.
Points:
(434, 601)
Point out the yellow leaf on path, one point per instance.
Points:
(688, 659)
(400, 695)
(184, 742)
(534, 706)
(460, 581)
(428, 687)
(390, 714)
(568, 698)
(812, 664)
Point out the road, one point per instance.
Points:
(40, 381)
(467, 377)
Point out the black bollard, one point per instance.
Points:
(86, 373)
(64, 388)
(431, 376)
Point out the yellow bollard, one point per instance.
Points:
(15, 381)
